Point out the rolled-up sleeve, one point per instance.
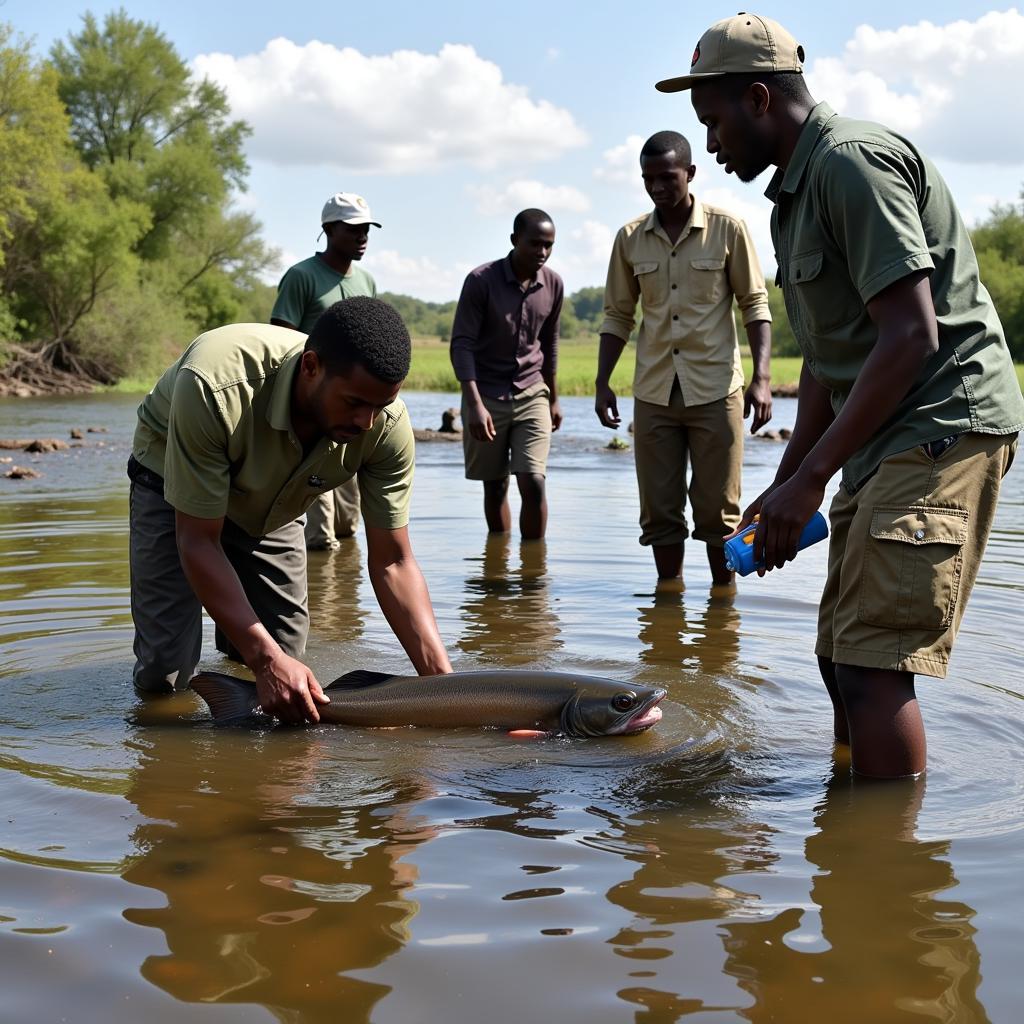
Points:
(621, 292)
(197, 467)
(385, 479)
(746, 278)
(467, 326)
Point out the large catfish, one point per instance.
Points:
(551, 702)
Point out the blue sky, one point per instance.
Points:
(448, 117)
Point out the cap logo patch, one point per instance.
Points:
(696, 55)
(360, 202)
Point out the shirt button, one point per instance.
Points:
(673, 287)
(675, 351)
(673, 255)
(675, 316)
(919, 535)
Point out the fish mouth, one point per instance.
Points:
(644, 720)
(648, 715)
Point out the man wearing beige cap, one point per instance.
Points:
(307, 290)
(907, 385)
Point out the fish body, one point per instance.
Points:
(551, 702)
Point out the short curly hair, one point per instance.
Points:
(362, 331)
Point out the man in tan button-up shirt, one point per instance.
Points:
(685, 263)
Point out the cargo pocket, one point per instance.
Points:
(912, 567)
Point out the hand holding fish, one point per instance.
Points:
(287, 689)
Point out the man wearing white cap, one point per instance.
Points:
(307, 290)
(907, 385)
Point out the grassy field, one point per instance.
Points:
(577, 363)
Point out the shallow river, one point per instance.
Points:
(719, 867)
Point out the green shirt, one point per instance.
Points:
(217, 427)
(310, 287)
(857, 209)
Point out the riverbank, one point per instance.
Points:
(432, 371)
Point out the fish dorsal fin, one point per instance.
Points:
(360, 677)
(230, 700)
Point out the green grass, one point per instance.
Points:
(577, 365)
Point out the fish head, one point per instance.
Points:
(604, 707)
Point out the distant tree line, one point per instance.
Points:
(120, 237)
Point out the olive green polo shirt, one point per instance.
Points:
(686, 289)
(857, 209)
(218, 428)
(310, 287)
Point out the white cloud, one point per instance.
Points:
(519, 195)
(621, 163)
(950, 88)
(582, 257)
(756, 215)
(417, 275)
(401, 113)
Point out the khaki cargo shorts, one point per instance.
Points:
(669, 438)
(523, 436)
(905, 552)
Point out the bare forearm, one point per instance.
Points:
(609, 349)
(813, 417)
(216, 584)
(759, 337)
(886, 377)
(550, 379)
(403, 597)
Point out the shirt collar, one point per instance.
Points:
(789, 179)
(510, 275)
(696, 222)
(279, 410)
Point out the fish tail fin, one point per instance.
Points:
(360, 677)
(231, 701)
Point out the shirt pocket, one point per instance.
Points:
(707, 279)
(652, 289)
(825, 299)
(912, 567)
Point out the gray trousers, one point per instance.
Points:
(167, 614)
(334, 514)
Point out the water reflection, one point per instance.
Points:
(336, 580)
(275, 888)
(879, 939)
(678, 637)
(505, 603)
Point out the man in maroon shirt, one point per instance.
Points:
(504, 350)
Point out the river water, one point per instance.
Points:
(719, 867)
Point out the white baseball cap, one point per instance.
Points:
(348, 208)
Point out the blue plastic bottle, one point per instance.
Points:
(739, 552)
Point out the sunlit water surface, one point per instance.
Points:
(718, 867)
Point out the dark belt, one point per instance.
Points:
(138, 474)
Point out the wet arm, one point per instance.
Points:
(284, 685)
(403, 598)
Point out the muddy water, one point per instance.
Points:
(719, 867)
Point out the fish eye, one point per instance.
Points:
(623, 701)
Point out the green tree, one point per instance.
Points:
(999, 243)
(158, 137)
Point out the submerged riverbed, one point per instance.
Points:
(720, 867)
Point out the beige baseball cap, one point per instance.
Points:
(739, 45)
(348, 208)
